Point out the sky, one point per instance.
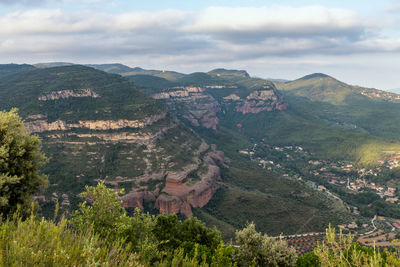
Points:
(357, 42)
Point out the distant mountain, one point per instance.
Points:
(370, 110)
(278, 80)
(128, 71)
(229, 74)
(112, 68)
(52, 64)
(9, 69)
(322, 87)
(316, 75)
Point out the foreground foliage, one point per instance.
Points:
(100, 233)
(20, 159)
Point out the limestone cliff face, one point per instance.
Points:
(198, 107)
(182, 191)
(258, 101)
(64, 94)
(38, 126)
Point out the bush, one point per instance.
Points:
(37, 242)
(261, 250)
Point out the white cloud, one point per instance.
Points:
(276, 20)
(45, 21)
(216, 35)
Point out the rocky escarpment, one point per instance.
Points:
(200, 108)
(37, 126)
(105, 129)
(64, 94)
(265, 99)
(194, 104)
(179, 191)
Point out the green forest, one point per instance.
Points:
(101, 233)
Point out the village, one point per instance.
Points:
(331, 177)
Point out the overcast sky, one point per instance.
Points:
(357, 42)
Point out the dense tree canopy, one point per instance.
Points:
(20, 159)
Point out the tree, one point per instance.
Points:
(105, 214)
(20, 159)
(261, 250)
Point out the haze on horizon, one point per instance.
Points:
(353, 41)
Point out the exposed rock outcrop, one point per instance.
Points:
(63, 94)
(181, 190)
(200, 107)
(232, 97)
(261, 100)
(263, 95)
(38, 126)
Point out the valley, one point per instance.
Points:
(290, 159)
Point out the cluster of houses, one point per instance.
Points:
(356, 182)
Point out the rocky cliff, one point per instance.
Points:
(97, 126)
(62, 94)
(193, 103)
(201, 108)
(178, 191)
(38, 126)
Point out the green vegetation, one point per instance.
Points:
(20, 159)
(101, 234)
(345, 106)
(340, 250)
(118, 97)
(10, 69)
(262, 250)
(127, 71)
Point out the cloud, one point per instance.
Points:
(215, 34)
(277, 21)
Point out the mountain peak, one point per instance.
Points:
(226, 72)
(315, 75)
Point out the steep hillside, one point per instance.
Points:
(348, 107)
(9, 69)
(99, 126)
(96, 125)
(318, 112)
(324, 88)
(234, 113)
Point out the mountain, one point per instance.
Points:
(316, 131)
(222, 145)
(177, 152)
(316, 113)
(9, 69)
(52, 64)
(367, 110)
(128, 71)
(229, 74)
(96, 125)
(235, 114)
